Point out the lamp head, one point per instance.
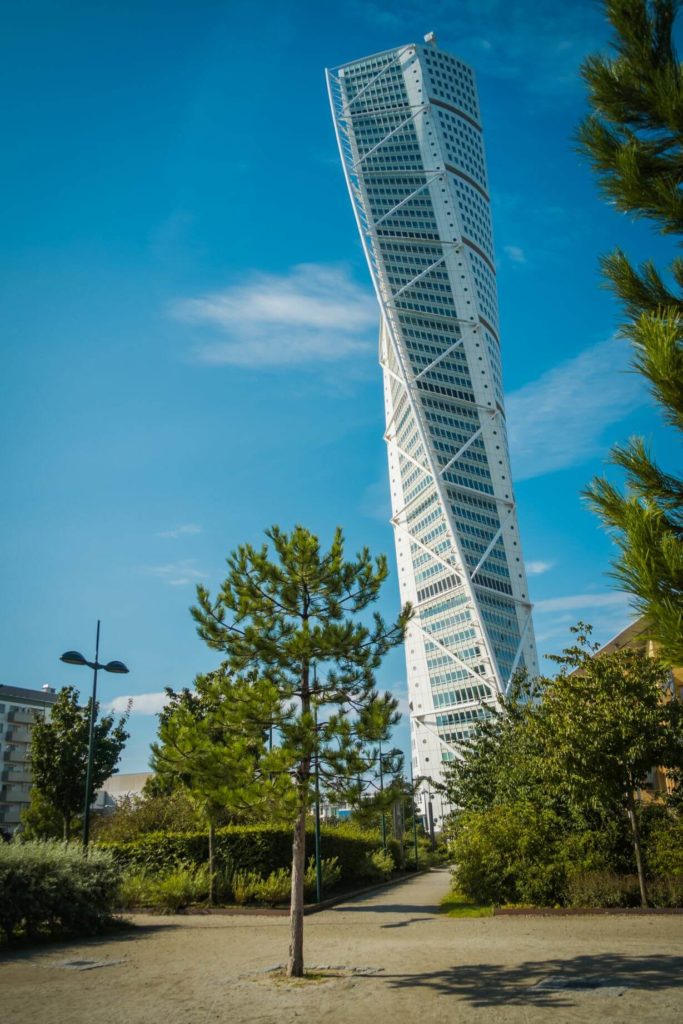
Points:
(73, 658)
(116, 666)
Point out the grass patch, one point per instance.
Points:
(457, 905)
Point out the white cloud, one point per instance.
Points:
(179, 531)
(559, 419)
(314, 314)
(579, 602)
(515, 253)
(538, 567)
(141, 704)
(177, 574)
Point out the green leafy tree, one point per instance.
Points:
(634, 140)
(40, 820)
(213, 744)
(136, 815)
(59, 755)
(294, 618)
(609, 724)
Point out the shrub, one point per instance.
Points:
(664, 852)
(276, 888)
(667, 891)
(509, 854)
(330, 875)
(179, 887)
(256, 848)
(602, 889)
(379, 866)
(245, 885)
(168, 891)
(134, 890)
(51, 888)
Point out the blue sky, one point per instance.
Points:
(189, 333)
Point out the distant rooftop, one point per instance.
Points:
(46, 695)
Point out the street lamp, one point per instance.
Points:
(76, 658)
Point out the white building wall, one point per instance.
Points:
(410, 137)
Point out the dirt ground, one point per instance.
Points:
(388, 957)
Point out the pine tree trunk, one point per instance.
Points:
(66, 818)
(295, 963)
(212, 884)
(637, 848)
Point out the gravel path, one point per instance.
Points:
(388, 956)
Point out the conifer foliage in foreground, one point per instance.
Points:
(294, 617)
(634, 139)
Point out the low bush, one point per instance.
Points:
(168, 891)
(245, 885)
(509, 854)
(330, 876)
(276, 888)
(251, 848)
(180, 887)
(380, 866)
(602, 889)
(667, 890)
(52, 888)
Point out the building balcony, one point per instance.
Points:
(14, 793)
(26, 717)
(12, 776)
(18, 755)
(18, 734)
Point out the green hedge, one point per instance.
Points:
(259, 848)
(51, 888)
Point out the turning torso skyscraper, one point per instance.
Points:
(410, 138)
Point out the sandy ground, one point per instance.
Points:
(402, 962)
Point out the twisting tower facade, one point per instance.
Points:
(409, 133)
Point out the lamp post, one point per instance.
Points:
(412, 804)
(76, 658)
(318, 862)
(381, 789)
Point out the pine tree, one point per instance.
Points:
(295, 620)
(634, 140)
(59, 754)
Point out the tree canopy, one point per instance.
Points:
(59, 754)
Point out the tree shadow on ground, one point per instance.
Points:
(25, 949)
(553, 983)
(409, 920)
(365, 907)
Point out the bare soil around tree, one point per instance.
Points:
(389, 956)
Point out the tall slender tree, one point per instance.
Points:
(634, 140)
(295, 619)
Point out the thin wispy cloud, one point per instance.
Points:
(537, 568)
(560, 419)
(177, 574)
(314, 314)
(140, 704)
(181, 531)
(581, 602)
(515, 253)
